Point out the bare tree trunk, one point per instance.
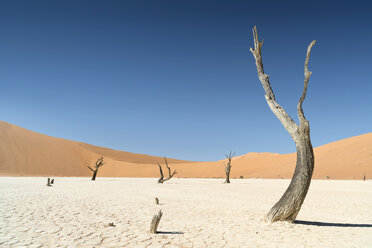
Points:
(161, 178)
(227, 180)
(94, 175)
(289, 205)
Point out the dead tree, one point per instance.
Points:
(364, 176)
(287, 208)
(48, 182)
(170, 173)
(227, 166)
(155, 222)
(98, 164)
(52, 181)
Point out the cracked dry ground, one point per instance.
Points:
(76, 212)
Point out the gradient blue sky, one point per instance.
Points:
(176, 78)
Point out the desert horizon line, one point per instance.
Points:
(175, 158)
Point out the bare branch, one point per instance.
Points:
(99, 162)
(169, 169)
(170, 173)
(229, 155)
(90, 168)
(278, 110)
(300, 112)
(166, 161)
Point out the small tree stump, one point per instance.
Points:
(48, 182)
(156, 201)
(155, 222)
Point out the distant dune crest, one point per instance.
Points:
(27, 153)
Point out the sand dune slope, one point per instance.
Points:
(27, 153)
(345, 159)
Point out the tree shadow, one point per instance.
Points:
(316, 223)
(160, 232)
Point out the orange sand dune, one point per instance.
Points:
(27, 153)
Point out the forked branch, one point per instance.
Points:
(170, 173)
(278, 110)
(99, 163)
(300, 112)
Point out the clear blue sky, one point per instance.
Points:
(176, 78)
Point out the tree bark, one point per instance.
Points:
(227, 180)
(155, 222)
(227, 171)
(289, 205)
(161, 178)
(94, 175)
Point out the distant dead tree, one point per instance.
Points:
(289, 205)
(170, 174)
(364, 176)
(98, 164)
(49, 183)
(227, 166)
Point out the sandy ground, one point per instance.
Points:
(75, 212)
